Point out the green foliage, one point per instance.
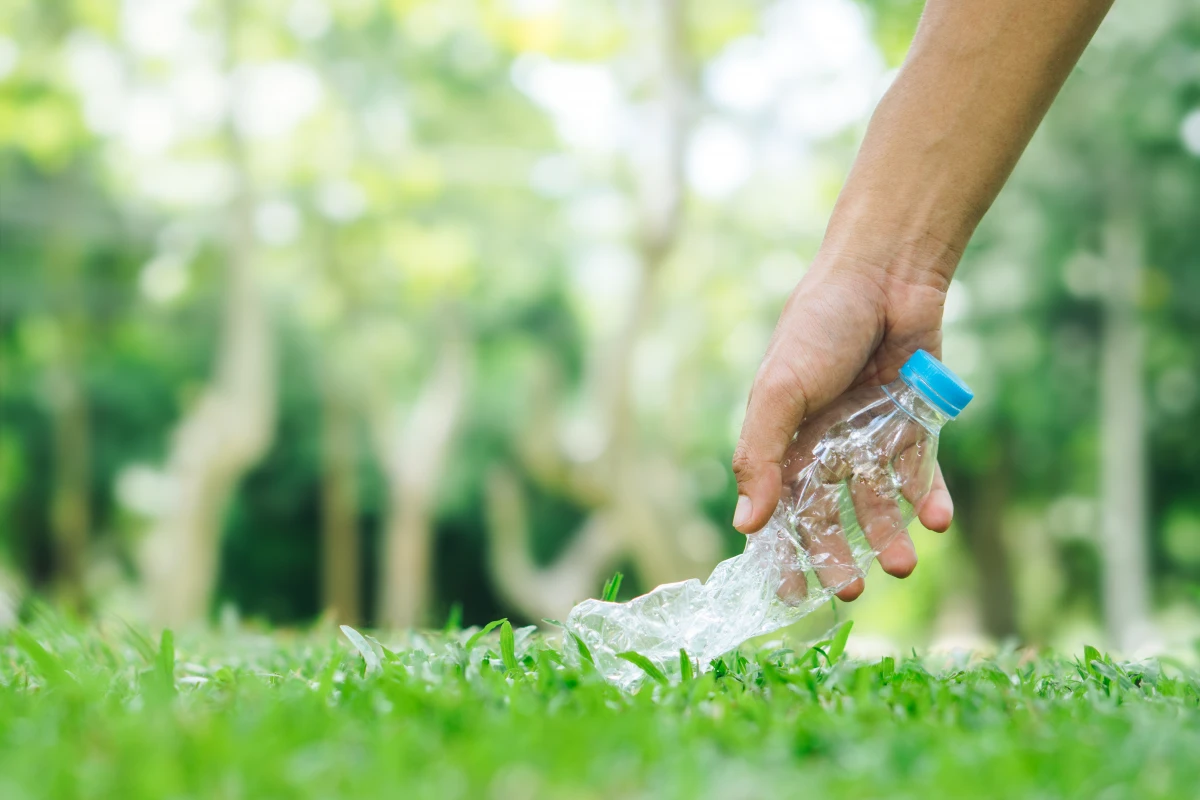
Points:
(611, 588)
(646, 665)
(686, 670)
(370, 657)
(292, 716)
(837, 644)
(162, 679)
(484, 631)
(508, 648)
(477, 210)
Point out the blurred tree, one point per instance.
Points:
(1124, 542)
(341, 565)
(633, 499)
(459, 345)
(1067, 272)
(230, 425)
(47, 315)
(68, 403)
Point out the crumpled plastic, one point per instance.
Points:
(853, 479)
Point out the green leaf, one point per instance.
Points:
(647, 666)
(379, 649)
(508, 646)
(686, 672)
(454, 619)
(887, 667)
(1112, 673)
(810, 655)
(51, 667)
(365, 650)
(584, 652)
(837, 645)
(1091, 654)
(553, 622)
(611, 588)
(484, 631)
(164, 663)
(141, 642)
(227, 677)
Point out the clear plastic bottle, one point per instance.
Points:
(855, 475)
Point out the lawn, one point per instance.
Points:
(107, 712)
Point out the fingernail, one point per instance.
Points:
(741, 514)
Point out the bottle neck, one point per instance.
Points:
(913, 403)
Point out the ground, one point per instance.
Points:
(106, 712)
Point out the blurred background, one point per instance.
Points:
(396, 311)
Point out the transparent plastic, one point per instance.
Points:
(855, 475)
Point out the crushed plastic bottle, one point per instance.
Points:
(855, 475)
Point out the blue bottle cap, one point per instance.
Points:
(936, 383)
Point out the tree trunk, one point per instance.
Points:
(67, 403)
(340, 543)
(226, 431)
(1123, 541)
(412, 453)
(224, 434)
(540, 592)
(982, 513)
(71, 499)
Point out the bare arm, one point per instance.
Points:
(974, 87)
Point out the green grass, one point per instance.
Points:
(108, 712)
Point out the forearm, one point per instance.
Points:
(974, 87)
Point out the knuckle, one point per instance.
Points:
(781, 387)
(772, 381)
(743, 462)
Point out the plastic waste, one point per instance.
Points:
(855, 475)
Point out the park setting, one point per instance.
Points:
(361, 361)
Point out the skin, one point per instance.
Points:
(942, 142)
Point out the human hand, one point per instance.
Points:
(850, 322)
(943, 139)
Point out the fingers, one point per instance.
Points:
(883, 527)
(793, 584)
(937, 512)
(918, 470)
(829, 553)
(833, 562)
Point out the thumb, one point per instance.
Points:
(777, 406)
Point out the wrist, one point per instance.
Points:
(892, 241)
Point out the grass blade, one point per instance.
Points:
(838, 645)
(484, 631)
(686, 672)
(454, 619)
(584, 652)
(141, 642)
(164, 664)
(51, 668)
(647, 666)
(365, 650)
(611, 588)
(1090, 654)
(508, 646)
